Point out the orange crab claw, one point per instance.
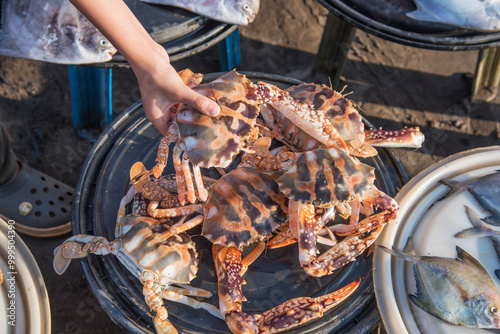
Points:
(302, 309)
(282, 239)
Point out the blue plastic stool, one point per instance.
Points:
(90, 89)
(229, 51)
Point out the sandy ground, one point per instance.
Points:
(395, 85)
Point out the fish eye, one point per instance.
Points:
(103, 42)
(246, 7)
(493, 310)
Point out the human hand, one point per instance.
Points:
(161, 87)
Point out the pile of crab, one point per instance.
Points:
(297, 173)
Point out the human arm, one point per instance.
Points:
(159, 83)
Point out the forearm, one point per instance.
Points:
(117, 22)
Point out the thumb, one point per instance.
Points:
(201, 103)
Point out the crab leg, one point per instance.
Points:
(202, 191)
(174, 296)
(181, 188)
(405, 137)
(288, 233)
(155, 303)
(154, 212)
(182, 226)
(287, 315)
(188, 290)
(228, 266)
(79, 246)
(378, 199)
(186, 170)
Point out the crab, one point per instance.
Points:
(329, 178)
(205, 141)
(245, 206)
(165, 263)
(344, 116)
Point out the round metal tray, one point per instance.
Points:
(274, 278)
(23, 287)
(388, 19)
(431, 223)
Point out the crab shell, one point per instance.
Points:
(326, 177)
(245, 206)
(339, 110)
(145, 248)
(214, 141)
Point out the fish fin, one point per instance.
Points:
(421, 15)
(469, 233)
(492, 220)
(466, 257)
(416, 300)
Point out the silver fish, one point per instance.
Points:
(481, 229)
(239, 12)
(53, 31)
(458, 291)
(485, 189)
(482, 15)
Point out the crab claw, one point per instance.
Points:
(240, 322)
(65, 253)
(302, 309)
(139, 176)
(60, 263)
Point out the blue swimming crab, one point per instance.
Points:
(343, 114)
(326, 179)
(165, 263)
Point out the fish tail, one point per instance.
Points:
(469, 233)
(455, 186)
(398, 253)
(480, 228)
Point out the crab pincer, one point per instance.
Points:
(292, 313)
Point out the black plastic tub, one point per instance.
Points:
(388, 19)
(275, 277)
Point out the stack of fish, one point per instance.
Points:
(239, 12)
(460, 291)
(481, 15)
(53, 31)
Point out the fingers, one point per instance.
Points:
(201, 103)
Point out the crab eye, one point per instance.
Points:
(493, 310)
(246, 7)
(103, 42)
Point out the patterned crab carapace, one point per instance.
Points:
(331, 178)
